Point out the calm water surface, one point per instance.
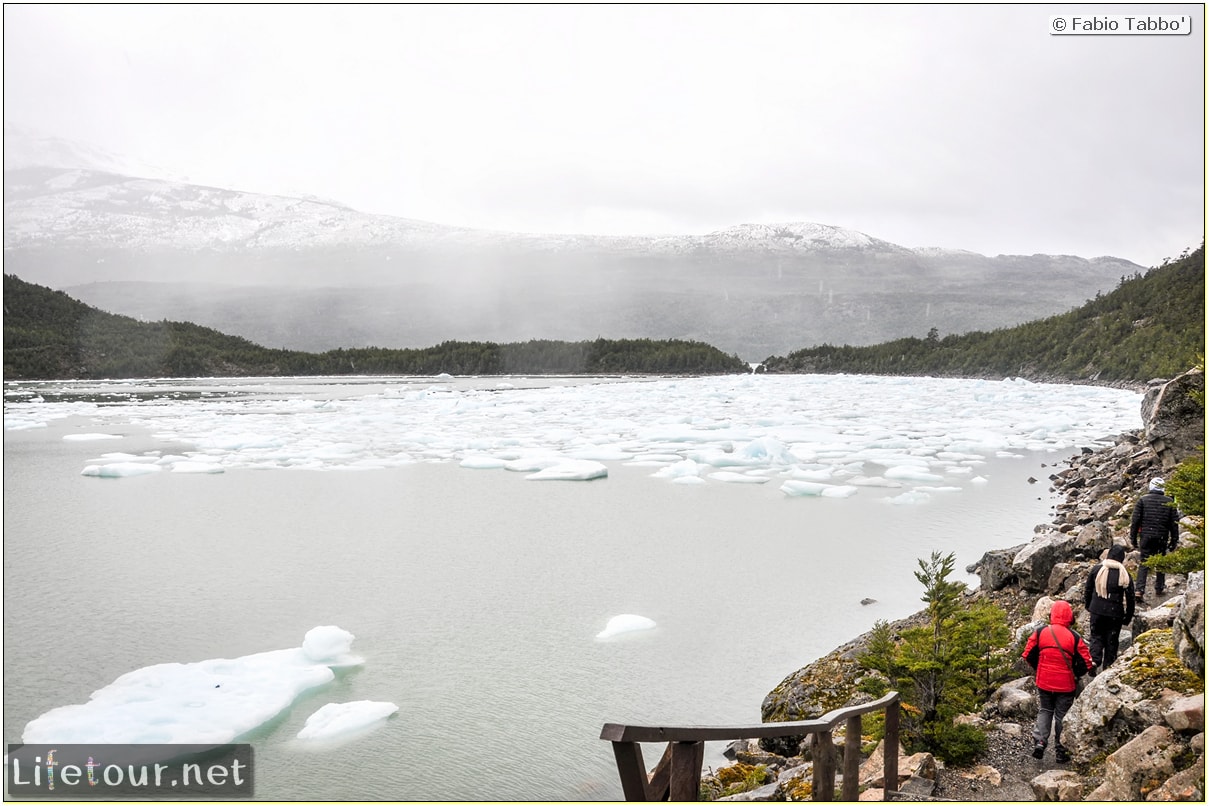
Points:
(474, 596)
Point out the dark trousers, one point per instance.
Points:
(1105, 640)
(1160, 580)
(1054, 705)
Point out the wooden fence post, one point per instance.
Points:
(686, 771)
(823, 750)
(852, 759)
(890, 763)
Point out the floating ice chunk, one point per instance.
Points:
(766, 450)
(89, 437)
(208, 702)
(802, 474)
(197, 467)
(910, 497)
(979, 480)
(910, 473)
(341, 719)
(482, 462)
(683, 468)
(814, 488)
(571, 470)
(959, 471)
(533, 463)
(626, 622)
(737, 478)
(330, 645)
(120, 470)
(874, 481)
(601, 453)
(20, 424)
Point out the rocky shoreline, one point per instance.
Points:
(1136, 731)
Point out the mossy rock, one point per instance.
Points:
(735, 779)
(1156, 667)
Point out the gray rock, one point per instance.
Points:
(1188, 630)
(1016, 699)
(995, 568)
(763, 794)
(1187, 714)
(1033, 563)
(1150, 757)
(1058, 785)
(1173, 422)
(1186, 786)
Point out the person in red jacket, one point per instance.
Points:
(1057, 645)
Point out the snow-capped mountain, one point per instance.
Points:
(313, 274)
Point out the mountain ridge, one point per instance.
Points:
(311, 274)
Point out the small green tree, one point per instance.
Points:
(944, 667)
(1186, 485)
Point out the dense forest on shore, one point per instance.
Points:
(1151, 325)
(49, 335)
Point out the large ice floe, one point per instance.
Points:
(814, 436)
(208, 702)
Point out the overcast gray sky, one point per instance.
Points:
(970, 127)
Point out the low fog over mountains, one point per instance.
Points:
(311, 274)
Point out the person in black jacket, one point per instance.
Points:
(1108, 598)
(1155, 529)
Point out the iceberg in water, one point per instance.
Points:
(571, 470)
(338, 720)
(626, 622)
(208, 702)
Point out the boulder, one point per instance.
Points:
(1188, 629)
(1060, 579)
(984, 774)
(1058, 785)
(1159, 617)
(1016, 699)
(1173, 422)
(1111, 710)
(1141, 765)
(1187, 714)
(1093, 539)
(995, 568)
(1033, 563)
(1186, 786)
(919, 765)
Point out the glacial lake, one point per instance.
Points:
(476, 593)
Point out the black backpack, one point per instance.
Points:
(1074, 661)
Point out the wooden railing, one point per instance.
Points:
(677, 776)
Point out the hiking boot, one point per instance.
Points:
(1062, 755)
(1038, 749)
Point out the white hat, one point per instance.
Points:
(1157, 484)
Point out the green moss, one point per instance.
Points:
(734, 779)
(1156, 667)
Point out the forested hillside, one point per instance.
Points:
(1151, 325)
(49, 335)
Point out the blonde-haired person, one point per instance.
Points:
(1108, 598)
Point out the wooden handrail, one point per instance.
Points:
(677, 776)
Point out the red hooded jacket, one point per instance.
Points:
(1054, 671)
